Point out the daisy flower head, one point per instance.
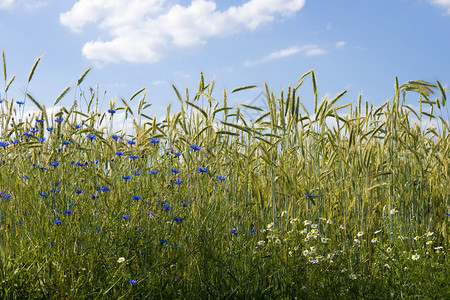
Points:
(307, 222)
(429, 242)
(324, 240)
(428, 234)
(360, 233)
(415, 257)
(352, 277)
(374, 240)
(305, 252)
(314, 226)
(261, 243)
(121, 260)
(393, 211)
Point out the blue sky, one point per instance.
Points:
(353, 45)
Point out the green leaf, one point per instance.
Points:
(137, 93)
(35, 102)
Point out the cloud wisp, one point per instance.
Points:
(146, 30)
(308, 50)
(445, 4)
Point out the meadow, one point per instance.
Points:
(344, 202)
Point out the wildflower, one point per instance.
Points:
(343, 270)
(136, 197)
(416, 238)
(234, 231)
(163, 241)
(324, 240)
(313, 249)
(4, 144)
(415, 257)
(126, 177)
(178, 181)
(428, 234)
(360, 233)
(374, 240)
(79, 191)
(153, 172)
(43, 195)
(277, 241)
(305, 252)
(125, 217)
(292, 221)
(175, 171)
(59, 120)
(132, 281)
(261, 243)
(119, 153)
(115, 137)
(167, 207)
(307, 222)
(195, 147)
(309, 195)
(26, 177)
(393, 211)
(91, 136)
(176, 154)
(377, 232)
(290, 253)
(66, 143)
(221, 178)
(121, 260)
(41, 139)
(55, 190)
(357, 241)
(20, 102)
(77, 126)
(104, 188)
(178, 219)
(253, 230)
(133, 156)
(429, 242)
(154, 141)
(304, 231)
(15, 141)
(130, 142)
(352, 276)
(112, 111)
(329, 222)
(68, 212)
(314, 226)
(202, 170)
(95, 196)
(57, 221)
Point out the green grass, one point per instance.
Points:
(380, 184)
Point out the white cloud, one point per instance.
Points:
(145, 30)
(445, 4)
(6, 3)
(308, 50)
(340, 44)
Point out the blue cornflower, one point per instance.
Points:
(15, 141)
(119, 153)
(104, 188)
(42, 168)
(79, 191)
(175, 171)
(41, 139)
(66, 143)
(111, 111)
(447, 214)
(234, 231)
(167, 207)
(77, 126)
(202, 170)
(136, 173)
(80, 164)
(126, 177)
(309, 195)
(59, 120)
(51, 128)
(176, 154)
(43, 195)
(34, 129)
(20, 102)
(56, 183)
(115, 137)
(4, 195)
(253, 230)
(176, 246)
(153, 172)
(95, 196)
(39, 120)
(136, 197)
(53, 164)
(134, 156)
(178, 181)
(125, 217)
(55, 190)
(163, 241)
(132, 281)
(68, 212)
(4, 144)
(154, 141)
(221, 178)
(50, 244)
(178, 219)
(91, 136)
(195, 147)
(26, 177)
(130, 142)
(28, 133)
(57, 221)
